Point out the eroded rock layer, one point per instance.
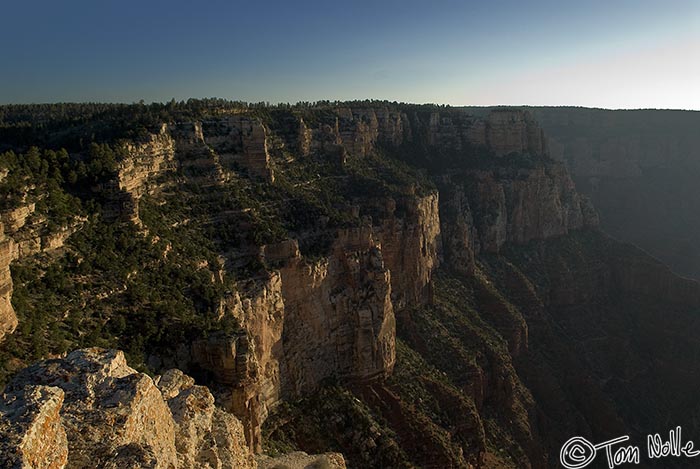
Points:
(377, 268)
(91, 409)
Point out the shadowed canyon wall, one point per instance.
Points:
(640, 168)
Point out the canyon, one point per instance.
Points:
(410, 286)
(639, 168)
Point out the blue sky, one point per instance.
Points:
(613, 54)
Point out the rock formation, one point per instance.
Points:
(508, 131)
(334, 317)
(243, 140)
(321, 300)
(90, 409)
(24, 233)
(338, 314)
(8, 319)
(410, 245)
(310, 321)
(142, 163)
(358, 131)
(301, 460)
(529, 204)
(31, 432)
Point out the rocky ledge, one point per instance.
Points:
(90, 409)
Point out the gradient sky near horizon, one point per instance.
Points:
(596, 53)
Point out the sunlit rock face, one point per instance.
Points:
(142, 163)
(334, 317)
(8, 318)
(31, 432)
(90, 409)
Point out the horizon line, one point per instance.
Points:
(321, 102)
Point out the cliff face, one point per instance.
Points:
(502, 131)
(514, 206)
(8, 318)
(242, 140)
(313, 264)
(410, 245)
(25, 233)
(595, 309)
(360, 131)
(143, 162)
(330, 318)
(204, 151)
(514, 132)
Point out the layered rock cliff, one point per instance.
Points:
(136, 173)
(330, 318)
(382, 280)
(8, 318)
(485, 209)
(26, 229)
(359, 131)
(240, 139)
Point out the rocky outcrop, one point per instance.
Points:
(459, 234)
(304, 138)
(410, 245)
(241, 140)
(15, 219)
(301, 460)
(339, 319)
(93, 410)
(513, 131)
(143, 162)
(195, 159)
(531, 204)
(205, 436)
(31, 432)
(8, 318)
(486, 209)
(255, 155)
(247, 365)
(333, 317)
